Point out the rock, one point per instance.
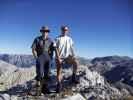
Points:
(18, 60)
(14, 97)
(6, 68)
(93, 86)
(4, 96)
(75, 97)
(12, 76)
(90, 78)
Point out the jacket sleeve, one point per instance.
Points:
(34, 44)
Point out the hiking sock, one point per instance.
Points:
(59, 87)
(74, 79)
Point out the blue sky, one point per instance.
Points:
(98, 27)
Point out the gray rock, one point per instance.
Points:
(75, 97)
(4, 96)
(93, 85)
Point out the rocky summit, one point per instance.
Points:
(17, 83)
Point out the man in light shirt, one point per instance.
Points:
(64, 45)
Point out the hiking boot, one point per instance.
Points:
(74, 79)
(45, 89)
(47, 78)
(38, 90)
(59, 87)
(37, 83)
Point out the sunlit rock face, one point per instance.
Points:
(11, 76)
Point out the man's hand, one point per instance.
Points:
(34, 53)
(35, 57)
(58, 60)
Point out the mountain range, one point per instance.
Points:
(114, 72)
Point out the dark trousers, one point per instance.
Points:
(42, 66)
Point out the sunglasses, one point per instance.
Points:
(64, 29)
(45, 31)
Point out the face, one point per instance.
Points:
(64, 31)
(45, 33)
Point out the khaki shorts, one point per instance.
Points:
(69, 60)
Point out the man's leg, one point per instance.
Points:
(39, 75)
(75, 66)
(37, 71)
(45, 89)
(38, 78)
(59, 76)
(41, 61)
(74, 63)
(44, 68)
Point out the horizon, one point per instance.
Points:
(76, 56)
(98, 28)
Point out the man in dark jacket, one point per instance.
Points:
(42, 49)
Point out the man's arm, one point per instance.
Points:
(33, 46)
(58, 60)
(34, 53)
(57, 56)
(57, 53)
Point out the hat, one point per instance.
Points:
(44, 29)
